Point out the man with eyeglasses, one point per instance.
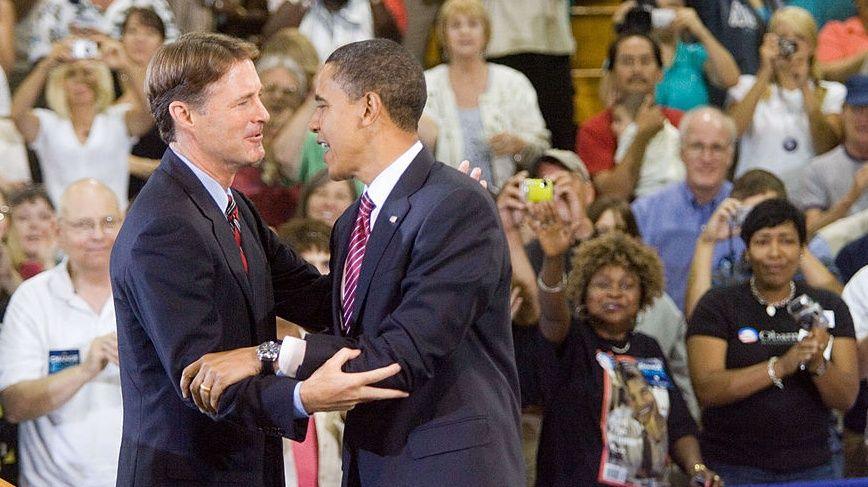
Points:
(671, 219)
(59, 377)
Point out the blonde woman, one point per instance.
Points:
(82, 134)
(785, 114)
(483, 112)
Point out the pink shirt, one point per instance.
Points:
(840, 40)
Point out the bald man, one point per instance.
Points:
(59, 377)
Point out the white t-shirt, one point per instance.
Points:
(47, 327)
(779, 138)
(104, 156)
(662, 164)
(328, 31)
(856, 296)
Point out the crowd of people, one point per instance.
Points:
(689, 299)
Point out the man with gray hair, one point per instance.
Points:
(59, 377)
(671, 219)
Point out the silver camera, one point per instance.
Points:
(807, 312)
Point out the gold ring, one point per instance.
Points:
(205, 388)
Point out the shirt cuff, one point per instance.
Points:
(291, 356)
(296, 402)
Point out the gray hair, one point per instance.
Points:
(707, 114)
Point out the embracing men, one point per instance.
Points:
(419, 289)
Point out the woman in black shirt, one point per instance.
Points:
(612, 413)
(766, 384)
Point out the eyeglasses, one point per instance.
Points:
(697, 148)
(109, 225)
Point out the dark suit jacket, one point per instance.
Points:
(433, 295)
(180, 291)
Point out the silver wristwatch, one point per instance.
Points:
(267, 353)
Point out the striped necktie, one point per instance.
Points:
(235, 223)
(353, 264)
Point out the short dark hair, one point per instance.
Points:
(771, 213)
(383, 67)
(30, 193)
(757, 181)
(148, 17)
(616, 44)
(184, 69)
(303, 234)
(619, 207)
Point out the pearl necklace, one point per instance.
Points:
(771, 308)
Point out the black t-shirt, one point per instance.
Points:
(605, 412)
(775, 429)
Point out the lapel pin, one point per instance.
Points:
(393, 219)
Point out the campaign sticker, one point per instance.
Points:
(748, 335)
(61, 359)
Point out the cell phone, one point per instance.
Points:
(662, 18)
(84, 49)
(537, 190)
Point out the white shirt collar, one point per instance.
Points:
(383, 184)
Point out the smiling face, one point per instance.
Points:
(612, 299)
(774, 254)
(327, 202)
(35, 226)
(88, 227)
(635, 67)
(707, 151)
(228, 126)
(337, 122)
(80, 83)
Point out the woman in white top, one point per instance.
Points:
(82, 134)
(785, 114)
(14, 169)
(486, 113)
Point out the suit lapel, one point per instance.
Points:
(222, 232)
(388, 220)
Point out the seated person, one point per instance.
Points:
(767, 384)
(635, 64)
(722, 231)
(671, 219)
(834, 184)
(612, 414)
(842, 47)
(32, 239)
(661, 163)
(59, 377)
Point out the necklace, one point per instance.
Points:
(771, 308)
(621, 350)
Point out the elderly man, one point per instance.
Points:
(671, 219)
(834, 184)
(635, 68)
(59, 377)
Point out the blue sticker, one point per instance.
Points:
(654, 373)
(61, 359)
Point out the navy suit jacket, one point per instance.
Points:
(180, 292)
(433, 295)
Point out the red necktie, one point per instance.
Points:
(353, 264)
(235, 223)
(306, 455)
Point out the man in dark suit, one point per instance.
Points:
(421, 277)
(195, 269)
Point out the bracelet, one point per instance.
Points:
(550, 289)
(774, 377)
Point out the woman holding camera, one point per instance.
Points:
(767, 386)
(785, 114)
(82, 134)
(613, 415)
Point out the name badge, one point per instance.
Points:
(61, 359)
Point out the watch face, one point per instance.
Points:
(268, 351)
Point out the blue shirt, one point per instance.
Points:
(671, 220)
(221, 199)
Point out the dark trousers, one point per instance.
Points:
(552, 79)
